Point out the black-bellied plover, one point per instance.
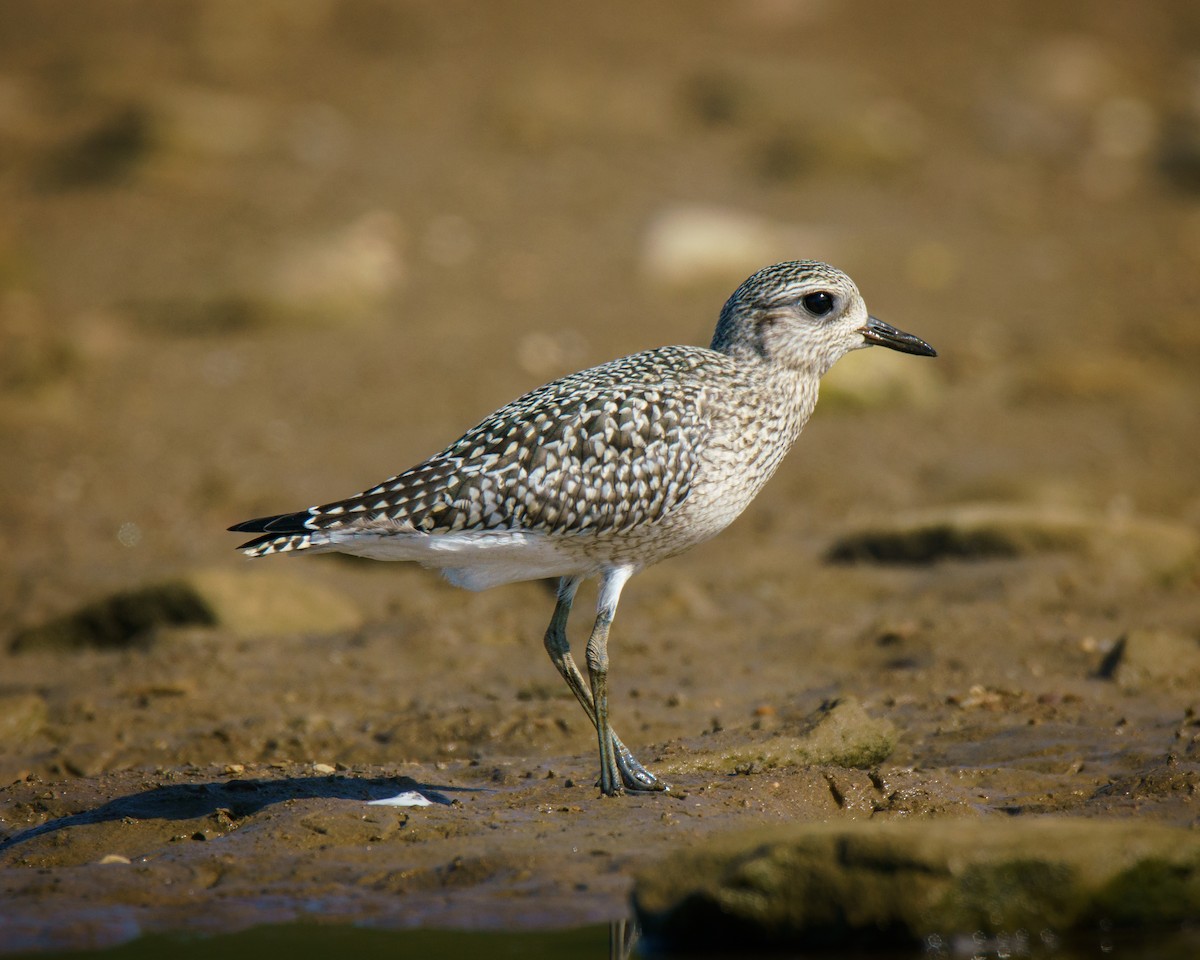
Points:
(609, 470)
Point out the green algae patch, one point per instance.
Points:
(898, 882)
(1153, 891)
(840, 733)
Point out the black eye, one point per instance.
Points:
(818, 304)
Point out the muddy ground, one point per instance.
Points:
(258, 256)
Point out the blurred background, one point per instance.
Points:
(255, 256)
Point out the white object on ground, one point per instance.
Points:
(410, 798)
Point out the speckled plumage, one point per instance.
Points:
(608, 470)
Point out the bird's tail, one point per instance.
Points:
(282, 533)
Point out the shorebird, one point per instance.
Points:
(606, 471)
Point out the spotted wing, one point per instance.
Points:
(600, 451)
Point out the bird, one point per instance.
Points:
(604, 472)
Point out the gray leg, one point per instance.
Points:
(633, 774)
(611, 583)
(597, 661)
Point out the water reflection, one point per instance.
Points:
(620, 939)
(310, 941)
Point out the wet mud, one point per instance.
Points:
(249, 263)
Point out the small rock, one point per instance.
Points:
(270, 603)
(114, 858)
(221, 313)
(262, 603)
(347, 276)
(87, 759)
(110, 152)
(35, 350)
(537, 110)
(690, 244)
(1093, 376)
(1179, 153)
(886, 883)
(120, 620)
(323, 768)
(21, 716)
(1148, 660)
(690, 599)
(1135, 545)
(209, 123)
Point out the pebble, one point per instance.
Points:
(1147, 660)
(1129, 545)
(22, 715)
(695, 244)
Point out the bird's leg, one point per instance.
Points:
(559, 647)
(633, 774)
(597, 660)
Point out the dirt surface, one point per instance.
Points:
(254, 257)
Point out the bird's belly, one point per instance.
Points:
(475, 560)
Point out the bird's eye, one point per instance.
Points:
(818, 304)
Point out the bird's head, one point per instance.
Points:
(804, 314)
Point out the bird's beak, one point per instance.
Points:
(884, 334)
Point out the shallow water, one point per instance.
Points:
(615, 941)
(302, 941)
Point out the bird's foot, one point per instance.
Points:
(636, 777)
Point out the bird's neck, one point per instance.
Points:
(790, 390)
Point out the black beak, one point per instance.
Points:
(884, 334)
